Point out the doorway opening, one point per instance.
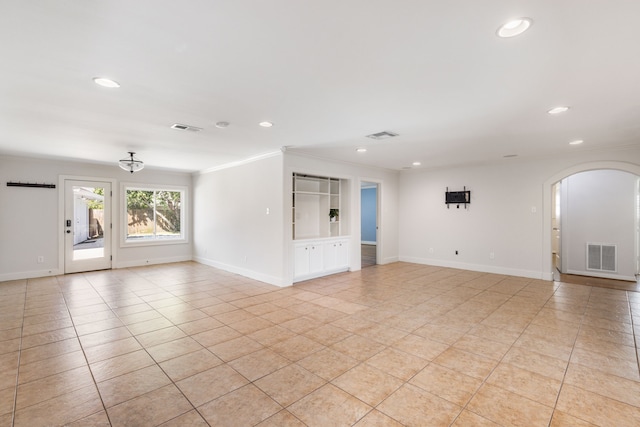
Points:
(595, 216)
(87, 225)
(369, 195)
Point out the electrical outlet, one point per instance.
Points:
(492, 255)
(40, 259)
(456, 252)
(430, 250)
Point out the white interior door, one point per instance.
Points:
(87, 226)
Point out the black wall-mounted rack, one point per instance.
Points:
(30, 185)
(457, 197)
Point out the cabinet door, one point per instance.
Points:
(330, 250)
(301, 257)
(315, 258)
(342, 254)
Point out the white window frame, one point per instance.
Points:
(125, 242)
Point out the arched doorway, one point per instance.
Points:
(549, 199)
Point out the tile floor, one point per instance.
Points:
(400, 344)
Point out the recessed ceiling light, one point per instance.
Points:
(576, 142)
(558, 110)
(266, 124)
(515, 27)
(416, 163)
(509, 156)
(105, 82)
(222, 125)
(361, 150)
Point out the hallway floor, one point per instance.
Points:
(390, 345)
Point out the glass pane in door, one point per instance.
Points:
(88, 222)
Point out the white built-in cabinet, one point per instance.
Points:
(320, 244)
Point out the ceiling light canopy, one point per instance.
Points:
(361, 150)
(222, 125)
(416, 163)
(131, 164)
(105, 82)
(558, 110)
(266, 124)
(515, 27)
(576, 142)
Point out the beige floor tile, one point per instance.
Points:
(250, 325)
(211, 384)
(216, 336)
(54, 365)
(358, 347)
(482, 346)
(327, 363)
(562, 419)
(368, 384)
(422, 347)
(7, 399)
(46, 351)
(258, 364)
(596, 409)
(245, 406)
(52, 386)
(61, 410)
(412, 406)
(128, 386)
(466, 363)
(99, 419)
(376, 418)
(190, 364)
(119, 365)
(271, 335)
(152, 408)
(289, 384)
(172, 349)
(327, 334)
(509, 409)
(446, 383)
(609, 364)
(190, 419)
(611, 386)
(468, 418)
(283, 418)
(160, 336)
(536, 362)
(111, 349)
(525, 383)
(297, 347)
(329, 406)
(235, 348)
(103, 337)
(200, 325)
(397, 363)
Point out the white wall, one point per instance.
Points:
(507, 216)
(350, 211)
(30, 222)
(599, 207)
(232, 228)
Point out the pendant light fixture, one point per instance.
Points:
(131, 164)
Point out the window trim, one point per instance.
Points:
(184, 199)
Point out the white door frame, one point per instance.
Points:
(108, 228)
(379, 239)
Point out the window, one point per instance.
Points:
(154, 215)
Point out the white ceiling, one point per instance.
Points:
(326, 73)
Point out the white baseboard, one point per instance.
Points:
(271, 280)
(602, 275)
(388, 260)
(151, 261)
(479, 267)
(29, 274)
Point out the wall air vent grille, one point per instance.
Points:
(602, 257)
(178, 126)
(382, 135)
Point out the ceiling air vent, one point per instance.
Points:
(178, 126)
(382, 135)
